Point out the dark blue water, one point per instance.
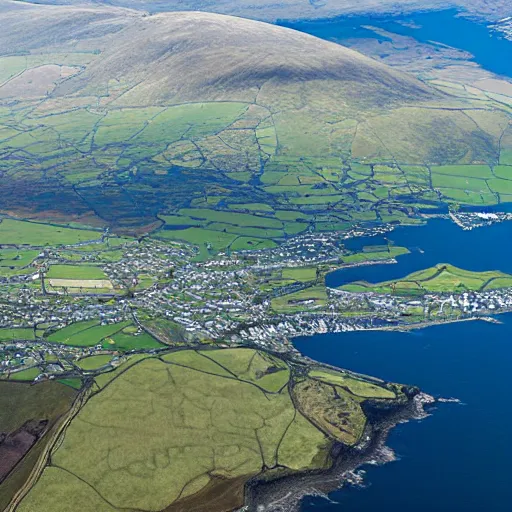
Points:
(439, 241)
(459, 458)
(492, 51)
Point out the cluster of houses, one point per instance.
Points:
(221, 299)
(471, 220)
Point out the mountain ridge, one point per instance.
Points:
(271, 10)
(190, 56)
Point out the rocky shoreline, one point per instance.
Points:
(285, 493)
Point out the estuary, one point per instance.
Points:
(439, 241)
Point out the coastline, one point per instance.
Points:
(445, 361)
(432, 323)
(285, 493)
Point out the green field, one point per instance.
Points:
(214, 230)
(300, 274)
(468, 197)
(75, 272)
(25, 375)
(503, 171)
(186, 406)
(443, 181)
(210, 241)
(16, 334)
(239, 219)
(16, 257)
(358, 387)
(30, 233)
(468, 171)
(15, 271)
(123, 336)
(197, 361)
(86, 334)
(265, 371)
(74, 383)
(501, 186)
(198, 236)
(254, 428)
(257, 207)
(297, 276)
(311, 298)
(94, 362)
(322, 403)
(380, 254)
(180, 220)
(126, 342)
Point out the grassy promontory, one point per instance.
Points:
(443, 278)
(189, 429)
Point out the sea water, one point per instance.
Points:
(459, 458)
(439, 241)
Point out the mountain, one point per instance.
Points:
(111, 116)
(184, 56)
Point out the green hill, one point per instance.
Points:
(442, 278)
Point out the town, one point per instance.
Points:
(161, 291)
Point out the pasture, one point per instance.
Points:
(310, 299)
(16, 333)
(86, 334)
(356, 386)
(75, 272)
(94, 362)
(175, 407)
(17, 232)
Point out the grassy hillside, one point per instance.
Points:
(442, 278)
(109, 116)
(187, 430)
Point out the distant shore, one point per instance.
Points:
(432, 323)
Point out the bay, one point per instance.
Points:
(458, 459)
(438, 241)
